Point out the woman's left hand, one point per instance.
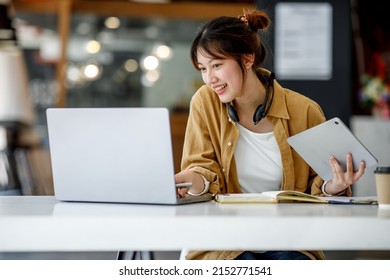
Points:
(342, 179)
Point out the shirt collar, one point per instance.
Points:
(279, 107)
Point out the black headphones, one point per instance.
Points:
(263, 108)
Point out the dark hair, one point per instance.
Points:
(232, 37)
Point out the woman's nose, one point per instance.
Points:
(210, 78)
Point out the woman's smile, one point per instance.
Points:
(220, 89)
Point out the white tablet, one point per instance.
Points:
(317, 144)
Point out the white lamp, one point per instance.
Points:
(15, 102)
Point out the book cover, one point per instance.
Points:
(269, 197)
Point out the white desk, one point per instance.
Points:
(43, 224)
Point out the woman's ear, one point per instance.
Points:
(248, 60)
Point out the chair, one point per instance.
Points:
(132, 255)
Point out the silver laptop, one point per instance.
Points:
(117, 155)
(317, 144)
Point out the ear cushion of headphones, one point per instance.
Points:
(259, 113)
(262, 109)
(232, 113)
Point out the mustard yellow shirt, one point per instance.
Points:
(211, 137)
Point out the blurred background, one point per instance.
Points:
(96, 53)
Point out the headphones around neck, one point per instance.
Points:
(263, 108)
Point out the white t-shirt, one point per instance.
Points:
(258, 160)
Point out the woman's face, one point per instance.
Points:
(224, 76)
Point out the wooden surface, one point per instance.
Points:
(185, 10)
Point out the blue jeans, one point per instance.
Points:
(273, 255)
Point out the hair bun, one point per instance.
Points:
(256, 20)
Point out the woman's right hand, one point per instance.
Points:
(189, 176)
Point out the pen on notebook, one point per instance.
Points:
(183, 185)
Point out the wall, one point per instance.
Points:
(375, 135)
(333, 95)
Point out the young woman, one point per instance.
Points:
(239, 122)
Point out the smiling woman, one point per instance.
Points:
(239, 122)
